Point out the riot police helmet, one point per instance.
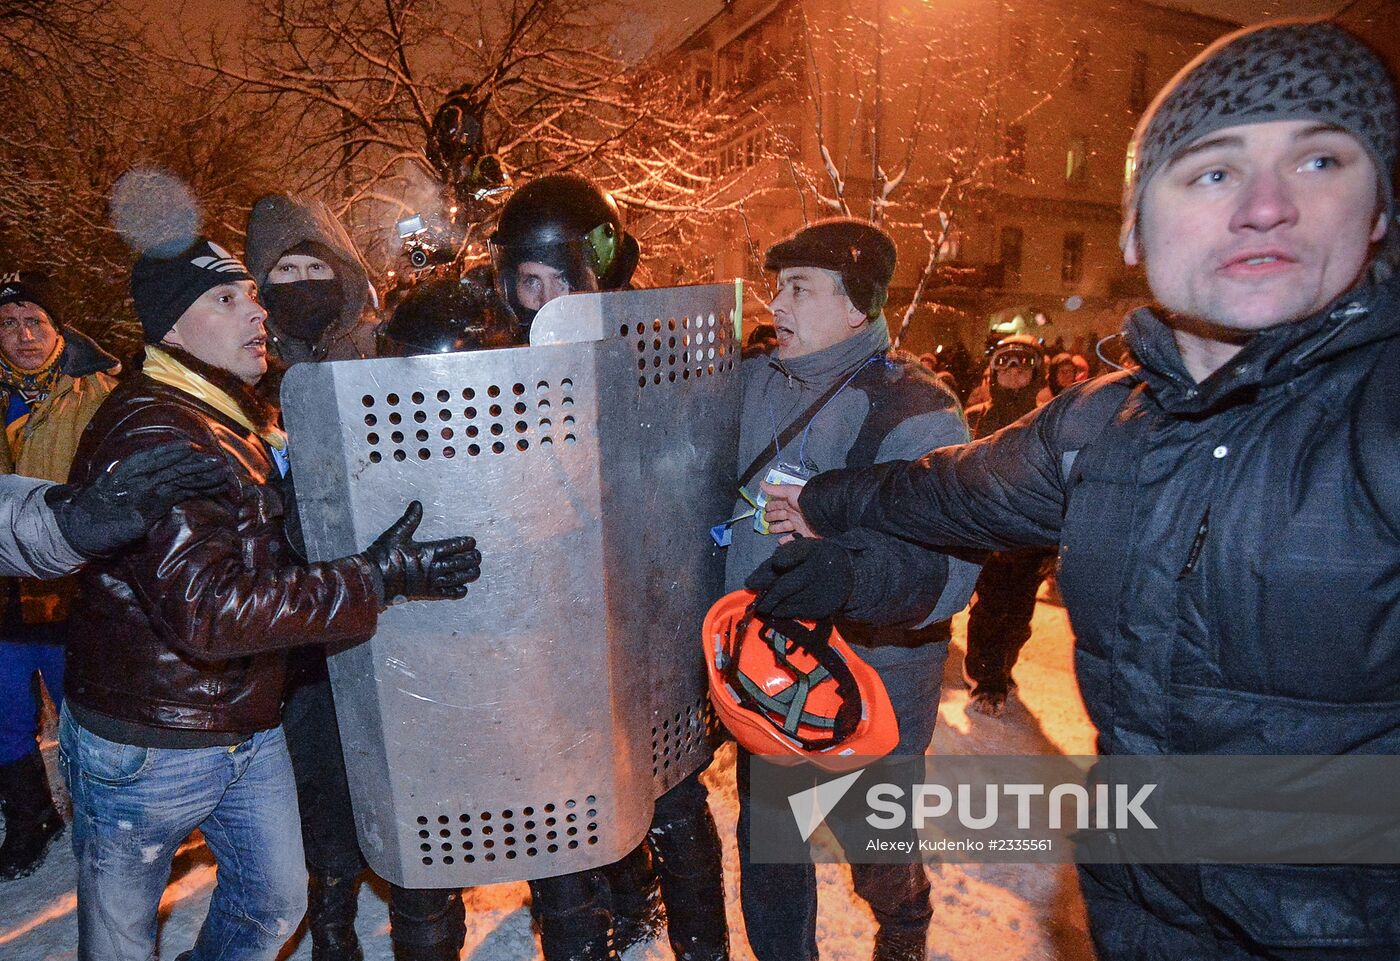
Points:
(559, 234)
(444, 316)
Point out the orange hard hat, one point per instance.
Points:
(794, 688)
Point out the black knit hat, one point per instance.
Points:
(859, 251)
(22, 287)
(1286, 70)
(163, 288)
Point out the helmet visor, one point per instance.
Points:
(528, 277)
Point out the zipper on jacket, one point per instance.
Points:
(1197, 544)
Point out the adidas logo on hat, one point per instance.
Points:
(224, 263)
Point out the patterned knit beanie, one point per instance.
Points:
(1285, 70)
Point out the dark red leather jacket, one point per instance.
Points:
(187, 629)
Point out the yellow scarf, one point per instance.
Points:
(162, 367)
(36, 380)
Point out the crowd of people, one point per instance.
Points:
(1196, 506)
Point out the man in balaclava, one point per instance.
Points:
(315, 289)
(312, 280)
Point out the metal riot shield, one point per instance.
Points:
(526, 731)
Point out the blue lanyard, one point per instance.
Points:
(802, 444)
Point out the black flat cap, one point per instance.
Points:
(859, 251)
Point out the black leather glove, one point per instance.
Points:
(422, 570)
(121, 504)
(808, 578)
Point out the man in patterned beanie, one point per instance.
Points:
(1227, 510)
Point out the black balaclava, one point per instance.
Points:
(305, 309)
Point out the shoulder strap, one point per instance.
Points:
(790, 431)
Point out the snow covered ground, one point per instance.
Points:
(1008, 912)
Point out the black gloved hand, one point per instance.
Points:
(125, 501)
(809, 578)
(422, 570)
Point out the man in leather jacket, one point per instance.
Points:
(175, 687)
(1227, 511)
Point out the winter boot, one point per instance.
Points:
(31, 820)
(573, 917)
(426, 924)
(636, 899)
(687, 858)
(330, 915)
(900, 944)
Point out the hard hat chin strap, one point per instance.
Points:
(785, 637)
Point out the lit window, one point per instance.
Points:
(1011, 241)
(1137, 82)
(1079, 65)
(1016, 148)
(1076, 161)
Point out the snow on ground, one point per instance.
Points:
(1012, 912)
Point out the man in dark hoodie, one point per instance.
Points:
(315, 288)
(313, 282)
(999, 623)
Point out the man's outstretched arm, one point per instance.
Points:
(48, 530)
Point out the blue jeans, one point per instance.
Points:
(20, 660)
(133, 806)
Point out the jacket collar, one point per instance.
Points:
(239, 401)
(81, 356)
(293, 350)
(1274, 356)
(826, 365)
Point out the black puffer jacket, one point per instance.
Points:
(1230, 559)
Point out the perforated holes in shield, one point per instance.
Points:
(495, 419)
(529, 831)
(675, 736)
(676, 350)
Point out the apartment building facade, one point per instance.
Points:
(990, 134)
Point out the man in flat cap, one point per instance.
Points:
(1227, 510)
(834, 393)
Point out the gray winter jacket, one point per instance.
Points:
(277, 224)
(892, 409)
(30, 542)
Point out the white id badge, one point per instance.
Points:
(781, 474)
